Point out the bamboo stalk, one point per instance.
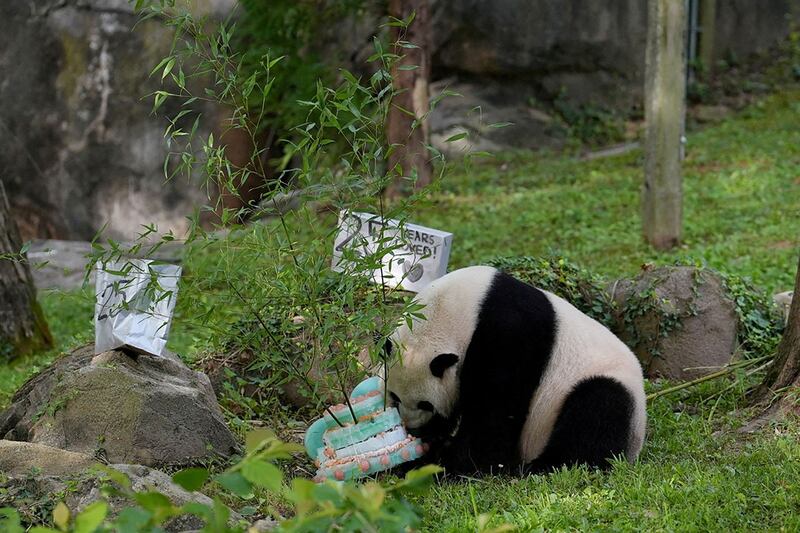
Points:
(708, 377)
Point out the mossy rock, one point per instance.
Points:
(144, 409)
(680, 321)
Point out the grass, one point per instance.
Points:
(741, 200)
(69, 316)
(696, 473)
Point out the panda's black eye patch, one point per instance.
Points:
(394, 397)
(425, 406)
(442, 362)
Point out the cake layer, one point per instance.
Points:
(360, 466)
(349, 435)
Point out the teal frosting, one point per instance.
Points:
(375, 419)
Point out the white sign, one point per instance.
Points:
(419, 254)
(134, 301)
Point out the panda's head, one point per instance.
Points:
(424, 394)
(423, 382)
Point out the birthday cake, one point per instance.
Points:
(376, 440)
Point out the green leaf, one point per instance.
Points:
(498, 125)
(419, 480)
(236, 483)
(456, 137)
(10, 521)
(61, 516)
(263, 474)
(255, 438)
(154, 502)
(91, 518)
(191, 479)
(114, 475)
(131, 520)
(168, 67)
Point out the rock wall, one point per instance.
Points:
(589, 49)
(80, 148)
(516, 58)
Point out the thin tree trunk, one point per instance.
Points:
(410, 75)
(785, 369)
(22, 325)
(665, 90)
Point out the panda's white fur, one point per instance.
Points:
(582, 349)
(452, 303)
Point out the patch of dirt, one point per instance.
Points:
(782, 245)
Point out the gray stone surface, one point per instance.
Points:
(144, 479)
(62, 264)
(22, 458)
(479, 107)
(79, 486)
(144, 409)
(592, 50)
(703, 340)
(80, 146)
(510, 56)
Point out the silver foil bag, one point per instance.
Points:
(134, 302)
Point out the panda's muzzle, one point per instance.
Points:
(438, 427)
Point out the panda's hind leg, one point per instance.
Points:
(593, 426)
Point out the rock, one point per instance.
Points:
(784, 301)
(482, 104)
(143, 409)
(81, 487)
(22, 458)
(82, 148)
(265, 524)
(62, 264)
(581, 47)
(679, 321)
(144, 479)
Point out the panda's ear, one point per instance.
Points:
(387, 349)
(442, 362)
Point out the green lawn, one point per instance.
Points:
(688, 478)
(696, 473)
(741, 198)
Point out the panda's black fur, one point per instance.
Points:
(506, 358)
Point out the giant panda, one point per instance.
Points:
(502, 377)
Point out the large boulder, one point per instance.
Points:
(125, 409)
(679, 321)
(585, 51)
(143, 479)
(81, 147)
(34, 474)
(481, 107)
